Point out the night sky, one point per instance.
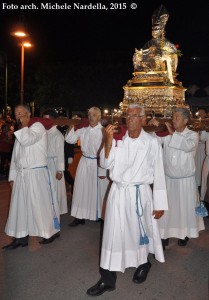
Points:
(69, 34)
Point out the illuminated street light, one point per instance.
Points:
(20, 33)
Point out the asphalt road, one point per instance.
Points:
(66, 268)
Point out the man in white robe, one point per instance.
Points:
(200, 154)
(56, 162)
(204, 195)
(89, 179)
(179, 148)
(33, 210)
(130, 225)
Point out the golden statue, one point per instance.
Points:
(155, 84)
(158, 54)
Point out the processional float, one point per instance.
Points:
(154, 84)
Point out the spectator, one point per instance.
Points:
(6, 146)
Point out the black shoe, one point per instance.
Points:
(50, 240)
(184, 242)
(165, 242)
(17, 242)
(99, 220)
(141, 273)
(99, 288)
(77, 222)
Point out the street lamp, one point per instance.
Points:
(23, 45)
(22, 35)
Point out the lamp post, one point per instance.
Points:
(23, 45)
(22, 35)
(22, 74)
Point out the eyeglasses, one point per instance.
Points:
(133, 116)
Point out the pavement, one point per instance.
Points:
(65, 269)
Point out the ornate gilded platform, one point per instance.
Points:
(154, 92)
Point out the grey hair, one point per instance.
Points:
(183, 111)
(26, 107)
(97, 109)
(135, 105)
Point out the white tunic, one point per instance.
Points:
(31, 211)
(56, 163)
(199, 158)
(204, 136)
(179, 162)
(86, 202)
(103, 190)
(133, 162)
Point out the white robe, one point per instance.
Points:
(199, 158)
(179, 162)
(204, 136)
(31, 211)
(103, 190)
(56, 163)
(131, 162)
(86, 201)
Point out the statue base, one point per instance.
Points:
(155, 92)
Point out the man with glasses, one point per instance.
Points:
(130, 225)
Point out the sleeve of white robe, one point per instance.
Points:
(59, 148)
(186, 143)
(203, 136)
(73, 135)
(102, 172)
(28, 136)
(160, 201)
(108, 163)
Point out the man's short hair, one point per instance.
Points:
(26, 107)
(51, 113)
(185, 112)
(135, 105)
(97, 109)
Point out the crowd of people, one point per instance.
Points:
(143, 187)
(7, 127)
